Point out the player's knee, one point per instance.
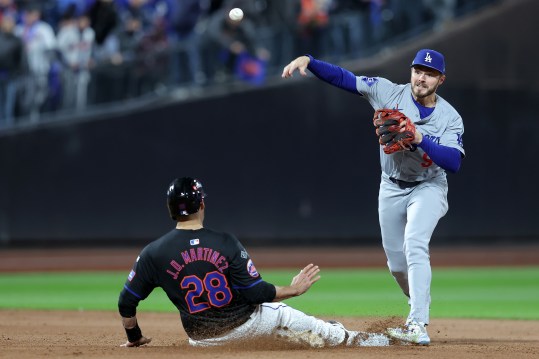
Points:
(396, 261)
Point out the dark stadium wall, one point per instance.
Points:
(297, 162)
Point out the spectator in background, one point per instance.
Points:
(75, 42)
(184, 40)
(152, 70)
(86, 48)
(407, 16)
(279, 19)
(238, 52)
(442, 10)
(350, 27)
(103, 19)
(8, 7)
(40, 43)
(76, 7)
(313, 21)
(138, 10)
(11, 67)
(108, 74)
(107, 79)
(378, 21)
(67, 39)
(129, 36)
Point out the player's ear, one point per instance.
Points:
(202, 205)
(442, 79)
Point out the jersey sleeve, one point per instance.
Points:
(333, 74)
(140, 282)
(245, 278)
(377, 90)
(453, 135)
(243, 272)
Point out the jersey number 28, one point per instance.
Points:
(215, 286)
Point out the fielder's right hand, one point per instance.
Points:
(300, 63)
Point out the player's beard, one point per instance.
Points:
(423, 91)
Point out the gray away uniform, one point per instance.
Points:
(409, 212)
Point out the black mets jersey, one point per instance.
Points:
(207, 275)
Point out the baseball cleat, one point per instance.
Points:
(412, 332)
(362, 339)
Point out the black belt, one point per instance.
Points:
(404, 184)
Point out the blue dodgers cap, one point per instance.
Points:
(430, 58)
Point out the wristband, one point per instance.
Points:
(133, 334)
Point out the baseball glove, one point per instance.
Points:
(395, 131)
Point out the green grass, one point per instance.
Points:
(511, 293)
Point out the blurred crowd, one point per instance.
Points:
(69, 54)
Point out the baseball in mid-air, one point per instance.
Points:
(236, 14)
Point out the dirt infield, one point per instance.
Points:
(57, 334)
(49, 334)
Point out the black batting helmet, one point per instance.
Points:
(184, 197)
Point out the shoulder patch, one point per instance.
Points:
(369, 80)
(251, 269)
(131, 275)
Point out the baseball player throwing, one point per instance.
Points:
(421, 138)
(221, 297)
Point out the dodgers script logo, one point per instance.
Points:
(434, 139)
(428, 58)
(251, 269)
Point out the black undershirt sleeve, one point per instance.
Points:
(262, 292)
(127, 304)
